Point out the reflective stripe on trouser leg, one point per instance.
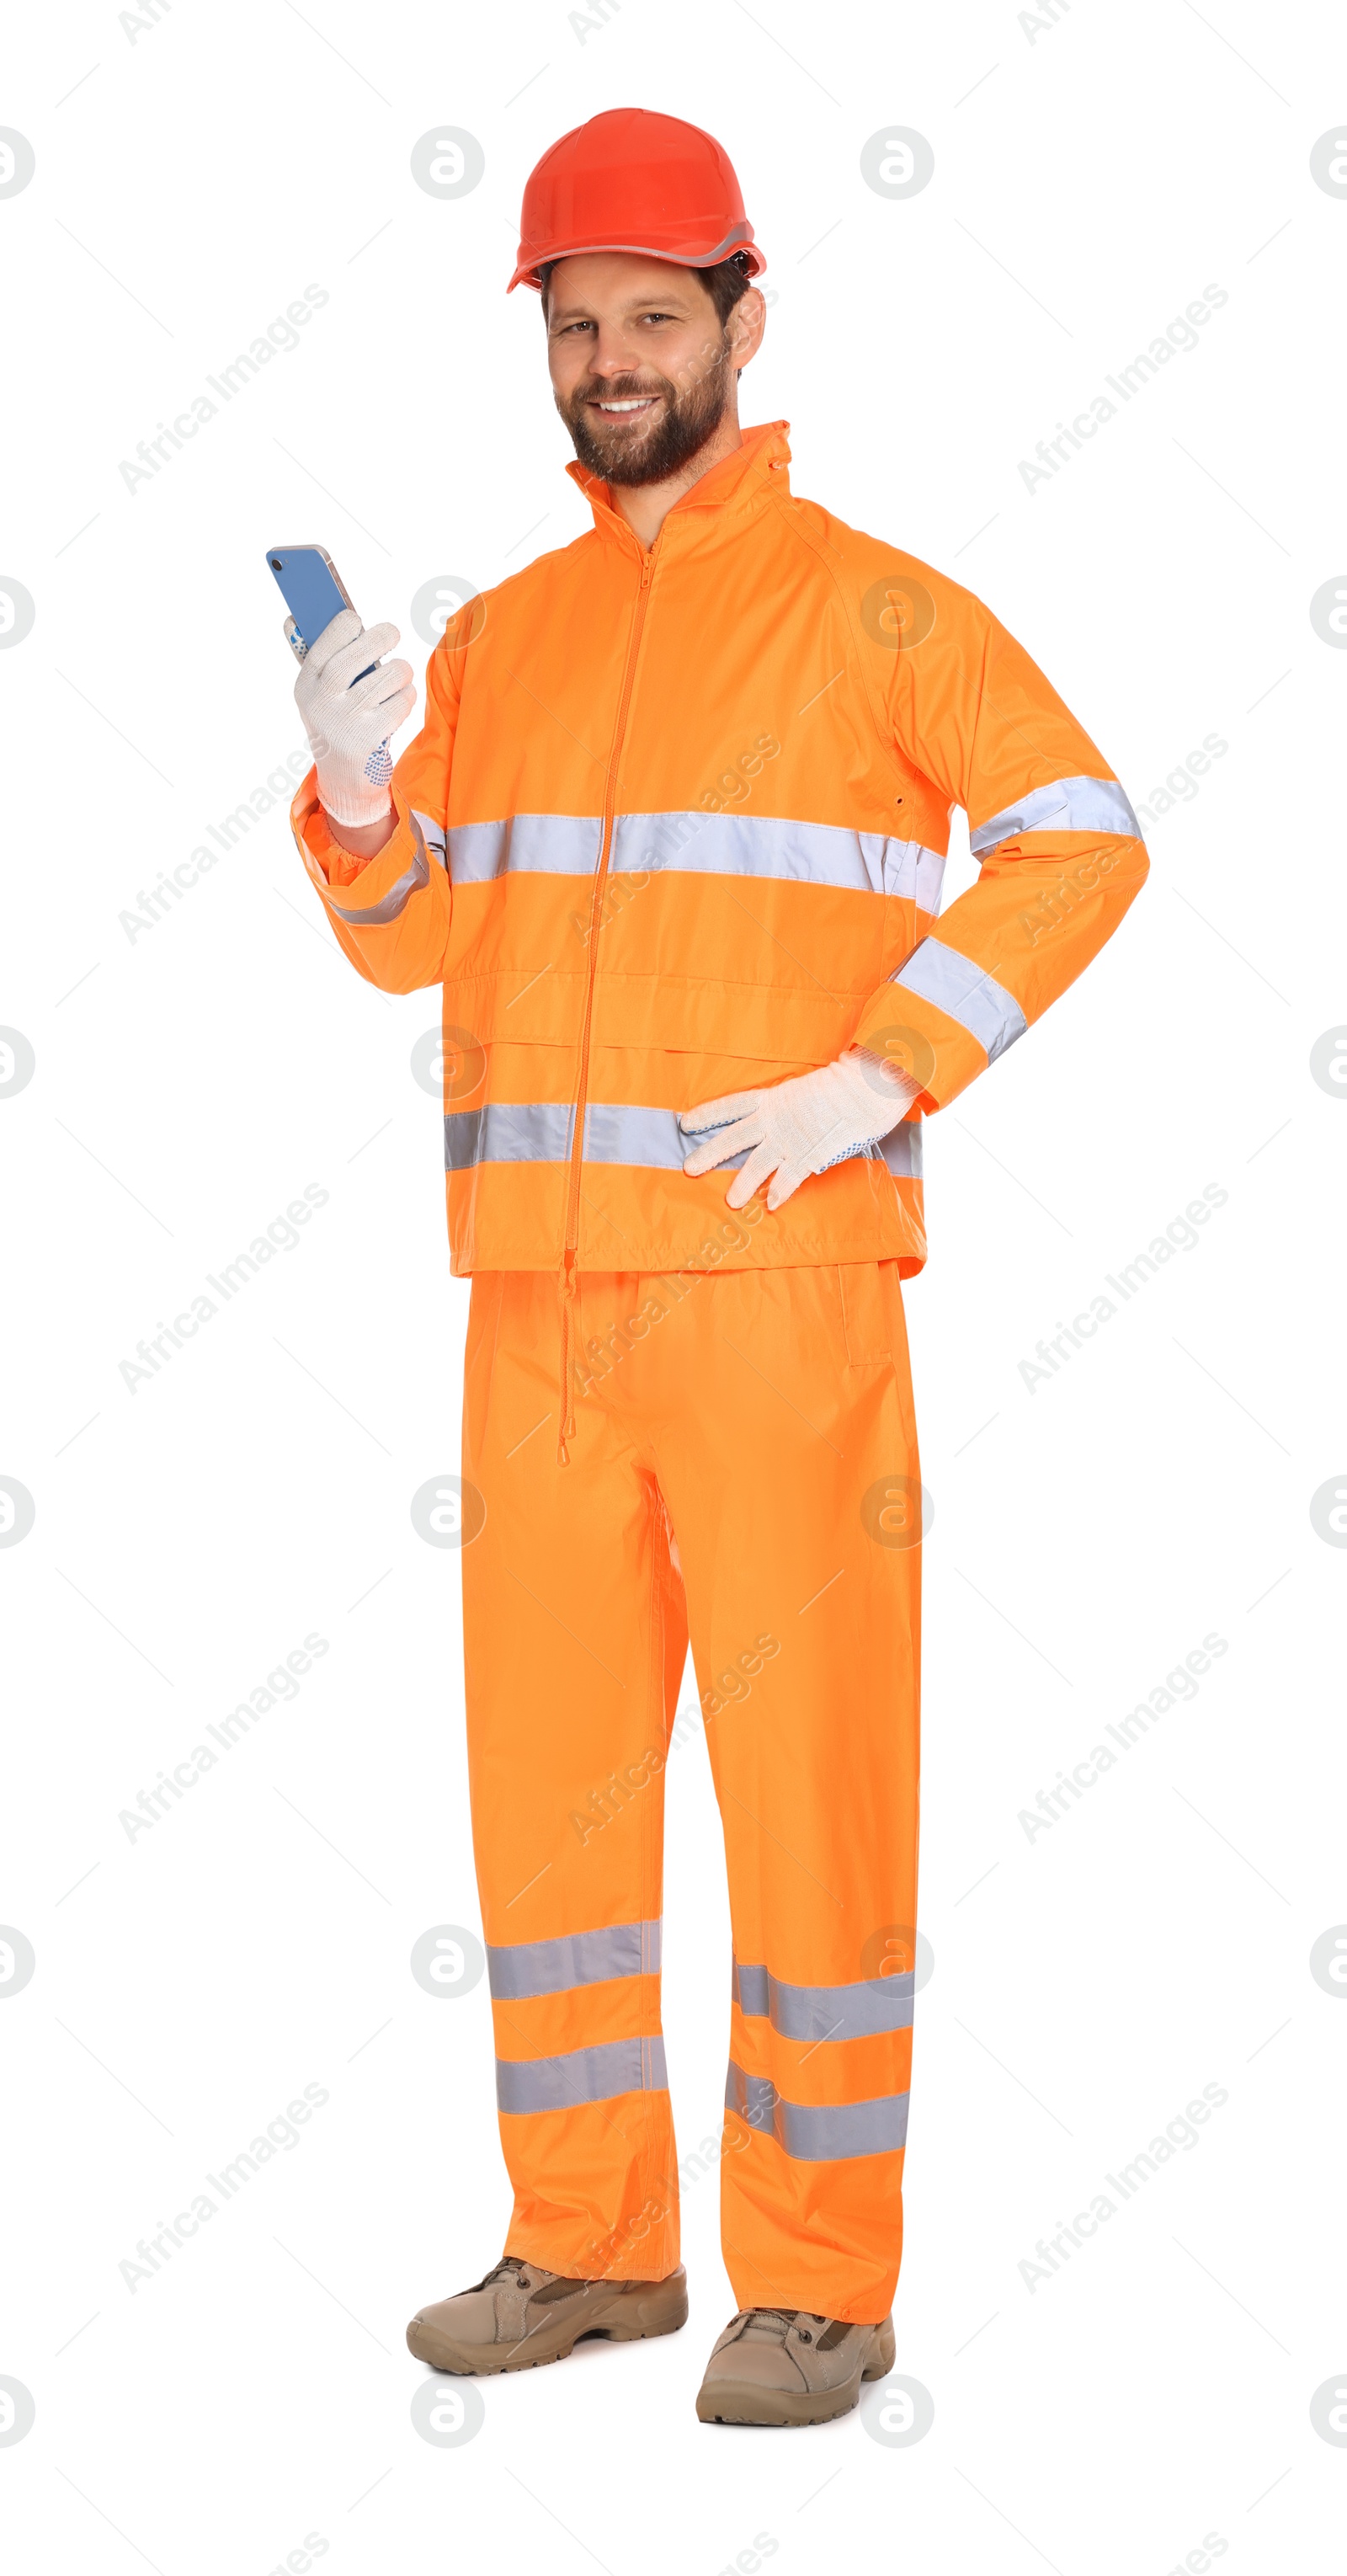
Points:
(881, 2002)
(817, 2132)
(573, 1642)
(577, 1959)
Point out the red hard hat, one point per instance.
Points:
(633, 180)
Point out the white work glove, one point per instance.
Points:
(796, 1128)
(349, 728)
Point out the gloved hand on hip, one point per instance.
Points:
(349, 728)
(793, 1129)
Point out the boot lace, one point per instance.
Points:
(778, 2321)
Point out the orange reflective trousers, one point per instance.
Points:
(743, 1472)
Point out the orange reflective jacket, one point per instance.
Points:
(675, 826)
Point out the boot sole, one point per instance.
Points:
(630, 2320)
(732, 2401)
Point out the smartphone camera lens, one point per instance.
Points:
(275, 563)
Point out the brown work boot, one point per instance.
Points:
(782, 2366)
(521, 2315)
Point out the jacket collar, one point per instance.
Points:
(731, 489)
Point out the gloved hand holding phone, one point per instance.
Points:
(349, 719)
(351, 701)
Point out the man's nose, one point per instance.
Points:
(612, 357)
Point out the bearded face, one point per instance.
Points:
(642, 427)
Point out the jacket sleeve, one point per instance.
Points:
(391, 914)
(1060, 846)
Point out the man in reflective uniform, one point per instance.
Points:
(671, 839)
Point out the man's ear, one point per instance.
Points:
(749, 316)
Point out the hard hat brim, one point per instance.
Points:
(679, 251)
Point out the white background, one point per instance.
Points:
(1092, 175)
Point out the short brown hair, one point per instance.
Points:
(724, 284)
(727, 283)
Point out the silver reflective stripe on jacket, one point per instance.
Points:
(818, 2133)
(540, 1132)
(559, 845)
(735, 845)
(964, 992)
(574, 1959)
(649, 1137)
(764, 845)
(1069, 805)
(651, 1140)
(582, 2075)
(861, 2011)
(505, 1132)
(376, 916)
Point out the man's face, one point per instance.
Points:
(641, 368)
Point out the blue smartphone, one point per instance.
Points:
(314, 593)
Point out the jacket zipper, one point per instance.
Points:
(572, 1234)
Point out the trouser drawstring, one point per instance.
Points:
(566, 1415)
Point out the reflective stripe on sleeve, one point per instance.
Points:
(433, 834)
(582, 2075)
(376, 916)
(818, 2133)
(575, 1959)
(1069, 805)
(901, 1150)
(964, 992)
(861, 2011)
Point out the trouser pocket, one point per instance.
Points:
(865, 1314)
